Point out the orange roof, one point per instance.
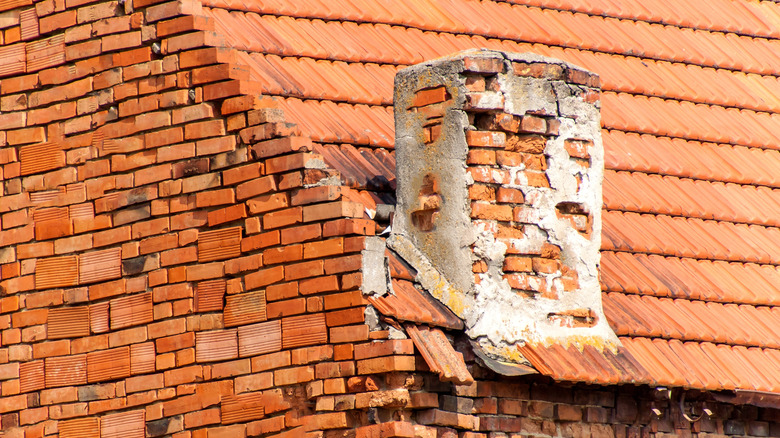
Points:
(691, 105)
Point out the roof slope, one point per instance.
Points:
(691, 102)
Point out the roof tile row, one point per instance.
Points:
(690, 237)
(669, 195)
(638, 315)
(691, 159)
(390, 40)
(676, 277)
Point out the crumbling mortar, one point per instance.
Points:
(485, 305)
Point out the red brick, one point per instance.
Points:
(301, 233)
(353, 333)
(317, 285)
(175, 342)
(254, 187)
(214, 197)
(270, 202)
(264, 277)
(240, 174)
(30, 317)
(286, 308)
(508, 195)
(57, 21)
(279, 146)
(183, 375)
(303, 270)
(227, 214)
(215, 145)
(332, 210)
(282, 218)
(343, 264)
(354, 315)
(291, 376)
(323, 248)
(480, 210)
(258, 241)
(283, 254)
(186, 23)
(219, 72)
(342, 227)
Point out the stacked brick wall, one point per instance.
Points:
(173, 261)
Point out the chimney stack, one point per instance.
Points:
(499, 171)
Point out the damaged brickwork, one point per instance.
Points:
(177, 261)
(500, 164)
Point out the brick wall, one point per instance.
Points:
(171, 260)
(174, 260)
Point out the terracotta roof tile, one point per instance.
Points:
(438, 353)
(408, 303)
(575, 364)
(690, 228)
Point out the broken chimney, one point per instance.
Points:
(499, 170)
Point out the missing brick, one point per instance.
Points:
(429, 203)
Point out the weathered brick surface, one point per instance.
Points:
(154, 252)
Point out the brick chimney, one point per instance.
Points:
(499, 170)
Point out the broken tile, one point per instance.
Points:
(108, 364)
(56, 272)
(99, 266)
(219, 244)
(245, 308)
(209, 295)
(132, 310)
(265, 337)
(68, 322)
(216, 345)
(298, 331)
